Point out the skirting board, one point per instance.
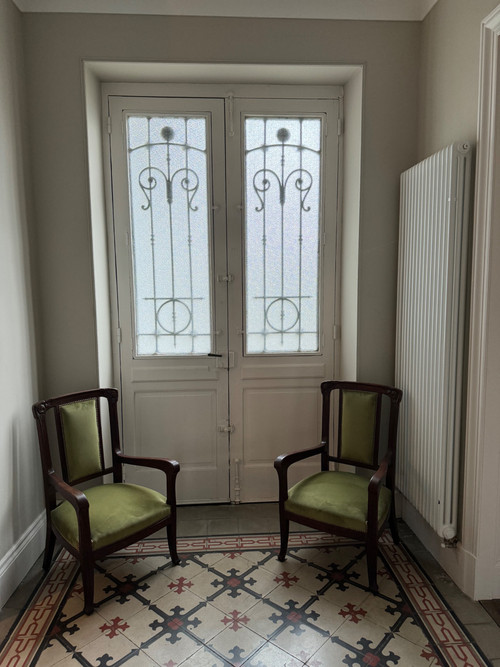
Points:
(17, 562)
(458, 563)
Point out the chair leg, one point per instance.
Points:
(50, 541)
(172, 543)
(284, 530)
(371, 561)
(87, 572)
(393, 525)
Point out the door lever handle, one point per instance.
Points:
(212, 354)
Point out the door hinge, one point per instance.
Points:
(225, 279)
(108, 124)
(118, 335)
(230, 114)
(226, 428)
(336, 332)
(340, 126)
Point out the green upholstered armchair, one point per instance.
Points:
(338, 501)
(93, 523)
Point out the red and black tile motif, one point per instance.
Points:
(230, 602)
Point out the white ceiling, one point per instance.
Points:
(368, 10)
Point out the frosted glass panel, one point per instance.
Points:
(168, 173)
(282, 222)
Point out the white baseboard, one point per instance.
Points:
(20, 558)
(458, 563)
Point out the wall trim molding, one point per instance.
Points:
(365, 10)
(477, 495)
(21, 557)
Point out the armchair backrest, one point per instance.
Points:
(78, 431)
(357, 411)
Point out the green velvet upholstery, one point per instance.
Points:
(359, 414)
(336, 498)
(116, 511)
(81, 438)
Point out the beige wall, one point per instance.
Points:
(55, 46)
(20, 487)
(448, 111)
(449, 73)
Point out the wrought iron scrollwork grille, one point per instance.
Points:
(170, 237)
(282, 221)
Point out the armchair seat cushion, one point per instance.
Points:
(116, 511)
(336, 498)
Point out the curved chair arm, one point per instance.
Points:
(374, 489)
(380, 474)
(169, 466)
(81, 504)
(70, 493)
(284, 461)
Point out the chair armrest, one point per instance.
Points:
(284, 461)
(374, 489)
(168, 466)
(379, 475)
(70, 493)
(81, 504)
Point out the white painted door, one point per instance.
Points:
(224, 232)
(282, 194)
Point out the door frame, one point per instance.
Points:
(481, 539)
(275, 91)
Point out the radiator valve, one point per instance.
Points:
(450, 544)
(449, 535)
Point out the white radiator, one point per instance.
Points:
(434, 215)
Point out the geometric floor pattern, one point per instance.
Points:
(230, 602)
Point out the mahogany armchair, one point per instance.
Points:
(93, 523)
(342, 502)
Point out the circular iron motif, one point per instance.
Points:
(174, 316)
(282, 314)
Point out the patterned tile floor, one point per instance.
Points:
(250, 617)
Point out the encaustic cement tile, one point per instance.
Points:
(113, 645)
(236, 643)
(164, 652)
(205, 657)
(206, 622)
(140, 627)
(52, 654)
(302, 642)
(272, 656)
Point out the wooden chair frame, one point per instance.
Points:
(385, 470)
(54, 484)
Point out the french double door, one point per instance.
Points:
(224, 227)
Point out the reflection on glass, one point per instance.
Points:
(167, 163)
(282, 221)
